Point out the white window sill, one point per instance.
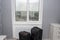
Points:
(28, 22)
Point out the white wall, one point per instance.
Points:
(51, 14)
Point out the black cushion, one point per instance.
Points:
(24, 35)
(36, 33)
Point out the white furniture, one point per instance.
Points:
(55, 31)
(2, 37)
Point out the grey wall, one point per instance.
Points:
(0, 19)
(6, 17)
(59, 11)
(51, 13)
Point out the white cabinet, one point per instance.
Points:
(55, 31)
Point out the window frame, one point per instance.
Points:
(27, 22)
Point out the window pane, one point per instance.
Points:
(33, 15)
(21, 10)
(21, 5)
(21, 16)
(33, 5)
(33, 1)
(21, 1)
(34, 10)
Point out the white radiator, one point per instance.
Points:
(23, 27)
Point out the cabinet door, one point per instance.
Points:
(56, 33)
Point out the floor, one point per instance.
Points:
(16, 39)
(10, 39)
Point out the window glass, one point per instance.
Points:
(21, 15)
(21, 10)
(33, 5)
(34, 10)
(22, 7)
(33, 15)
(33, 1)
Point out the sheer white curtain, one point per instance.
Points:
(22, 4)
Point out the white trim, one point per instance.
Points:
(41, 11)
(13, 15)
(27, 10)
(31, 22)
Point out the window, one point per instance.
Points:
(21, 16)
(33, 16)
(28, 11)
(21, 10)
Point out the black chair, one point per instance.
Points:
(24, 35)
(36, 33)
